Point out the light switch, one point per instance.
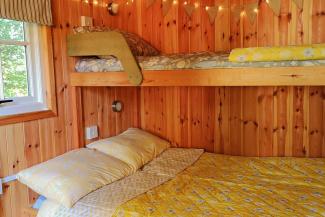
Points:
(91, 132)
(86, 21)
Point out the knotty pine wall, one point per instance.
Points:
(276, 121)
(249, 121)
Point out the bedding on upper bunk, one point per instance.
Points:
(284, 53)
(149, 59)
(199, 60)
(216, 185)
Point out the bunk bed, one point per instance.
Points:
(196, 69)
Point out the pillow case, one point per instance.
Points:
(138, 46)
(135, 147)
(71, 176)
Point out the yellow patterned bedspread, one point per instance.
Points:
(218, 185)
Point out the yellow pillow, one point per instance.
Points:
(288, 53)
(71, 176)
(135, 147)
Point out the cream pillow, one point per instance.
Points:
(71, 176)
(135, 147)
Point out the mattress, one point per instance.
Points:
(215, 185)
(200, 60)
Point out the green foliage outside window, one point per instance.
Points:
(13, 60)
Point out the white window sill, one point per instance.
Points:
(7, 109)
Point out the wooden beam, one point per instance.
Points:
(282, 76)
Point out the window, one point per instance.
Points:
(21, 70)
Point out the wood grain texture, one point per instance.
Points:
(250, 121)
(217, 118)
(246, 121)
(286, 76)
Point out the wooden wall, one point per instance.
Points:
(248, 121)
(252, 121)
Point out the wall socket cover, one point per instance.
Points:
(91, 132)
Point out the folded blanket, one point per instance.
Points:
(259, 54)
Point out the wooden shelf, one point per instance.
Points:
(280, 76)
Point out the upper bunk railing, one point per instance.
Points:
(104, 44)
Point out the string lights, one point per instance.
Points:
(250, 9)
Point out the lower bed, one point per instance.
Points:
(215, 185)
(199, 60)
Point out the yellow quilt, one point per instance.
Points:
(263, 54)
(218, 185)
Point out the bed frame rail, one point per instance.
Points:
(106, 43)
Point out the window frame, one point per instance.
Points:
(43, 100)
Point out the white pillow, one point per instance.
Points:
(135, 147)
(71, 176)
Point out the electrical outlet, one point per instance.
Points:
(91, 132)
(86, 21)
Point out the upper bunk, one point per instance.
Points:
(118, 66)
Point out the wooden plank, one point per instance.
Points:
(282, 76)
(298, 122)
(235, 122)
(235, 26)
(222, 131)
(222, 27)
(17, 162)
(281, 127)
(265, 121)
(32, 149)
(250, 122)
(208, 117)
(90, 108)
(5, 199)
(249, 29)
(316, 133)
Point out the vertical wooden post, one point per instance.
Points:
(77, 120)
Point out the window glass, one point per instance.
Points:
(14, 71)
(13, 59)
(12, 30)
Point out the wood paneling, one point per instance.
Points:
(249, 121)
